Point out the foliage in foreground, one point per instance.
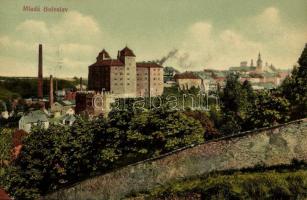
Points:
(244, 109)
(294, 88)
(60, 155)
(251, 185)
(5, 149)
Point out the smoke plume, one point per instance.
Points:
(168, 56)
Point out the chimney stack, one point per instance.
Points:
(80, 83)
(56, 84)
(40, 72)
(51, 98)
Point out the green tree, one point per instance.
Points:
(5, 149)
(158, 131)
(268, 109)
(236, 101)
(294, 87)
(60, 155)
(210, 131)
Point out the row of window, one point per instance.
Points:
(121, 84)
(137, 84)
(139, 74)
(121, 68)
(139, 79)
(153, 84)
(129, 74)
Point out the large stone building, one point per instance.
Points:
(187, 80)
(124, 77)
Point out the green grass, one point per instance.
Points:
(26, 87)
(269, 184)
(7, 94)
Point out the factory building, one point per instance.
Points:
(124, 77)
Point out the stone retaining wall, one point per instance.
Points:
(271, 146)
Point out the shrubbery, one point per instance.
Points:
(238, 185)
(60, 155)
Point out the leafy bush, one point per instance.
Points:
(238, 185)
(62, 155)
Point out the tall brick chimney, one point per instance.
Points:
(51, 98)
(80, 83)
(56, 84)
(40, 72)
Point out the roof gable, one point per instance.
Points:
(126, 52)
(148, 65)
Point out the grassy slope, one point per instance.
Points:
(27, 86)
(7, 94)
(269, 184)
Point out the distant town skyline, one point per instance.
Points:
(205, 34)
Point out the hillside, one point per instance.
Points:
(260, 184)
(25, 87)
(274, 146)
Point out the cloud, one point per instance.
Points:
(205, 46)
(33, 29)
(75, 39)
(282, 42)
(70, 42)
(269, 16)
(75, 26)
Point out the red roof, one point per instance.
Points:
(186, 75)
(106, 63)
(3, 195)
(148, 65)
(18, 136)
(126, 52)
(103, 55)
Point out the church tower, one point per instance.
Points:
(127, 56)
(259, 64)
(252, 63)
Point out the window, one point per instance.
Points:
(115, 83)
(127, 73)
(154, 79)
(127, 68)
(115, 79)
(128, 79)
(121, 79)
(115, 73)
(128, 83)
(121, 73)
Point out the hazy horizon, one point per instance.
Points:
(207, 34)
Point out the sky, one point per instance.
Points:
(207, 34)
